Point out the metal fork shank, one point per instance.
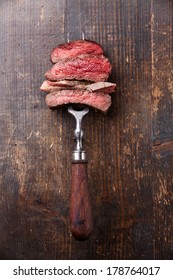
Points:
(78, 154)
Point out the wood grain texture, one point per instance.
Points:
(130, 150)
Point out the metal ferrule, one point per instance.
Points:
(79, 156)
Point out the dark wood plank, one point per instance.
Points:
(162, 127)
(129, 149)
(31, 151)
(162, 72)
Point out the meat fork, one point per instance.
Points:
(81, 218)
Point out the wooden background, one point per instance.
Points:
(130, 150)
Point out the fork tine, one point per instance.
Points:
(83, 36)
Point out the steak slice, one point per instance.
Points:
(104, 87)
(74, 49)
(49, 86)
(85, 67)
(97, 100)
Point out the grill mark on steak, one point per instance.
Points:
(74, 49)
(104, 87)
(97, 100)
(85, 67)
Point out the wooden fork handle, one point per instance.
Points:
(81, 218)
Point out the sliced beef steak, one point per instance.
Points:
(104, 87)
(85, 67)
(74, 49)
(97, 100)
(79, 75)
